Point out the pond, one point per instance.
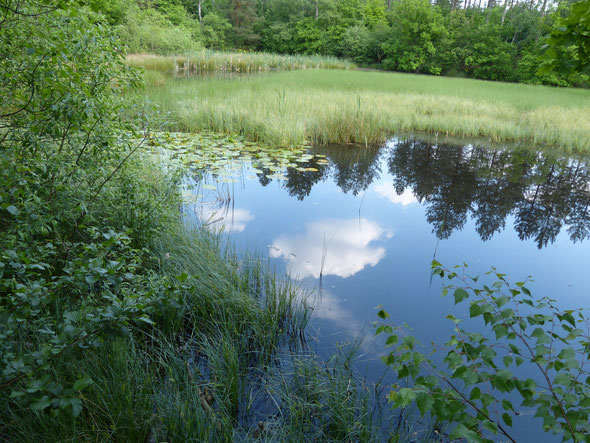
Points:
(361, 225)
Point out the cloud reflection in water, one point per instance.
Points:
(344, 247)
(387, 191)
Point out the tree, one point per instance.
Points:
(244, 17)
(417, 29)
(217, 31)
(356, 44)
(570, 36)
(374, 14)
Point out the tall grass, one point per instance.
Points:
(216, 62)
(290, 108)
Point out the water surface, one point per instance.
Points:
(363, 229)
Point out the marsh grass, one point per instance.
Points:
(216, 62)
(291, 108)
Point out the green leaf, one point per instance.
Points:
(564, 379)
(501, 330)
(404, 397)
(424, 401)
(507, 418)
(460, 294)
(83, 382)
(501, 301)
(41, 404)
(76, 406)
(409, 341)
(514, 349)
(569, 318)
(460, 431)
(475, 393)
(474, 310)
(391, 340)
(507, 405)
(567, 353)
(13, 210)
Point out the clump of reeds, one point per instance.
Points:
(216, 62)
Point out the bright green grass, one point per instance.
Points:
(321, 106)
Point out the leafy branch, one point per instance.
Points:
(521, 331)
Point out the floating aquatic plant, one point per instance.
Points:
(222, 156)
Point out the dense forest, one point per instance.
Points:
(489, 39)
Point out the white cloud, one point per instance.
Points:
(333, 247)
(387, 191)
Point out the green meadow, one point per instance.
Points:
(366, 107)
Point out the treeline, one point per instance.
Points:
(486, 39)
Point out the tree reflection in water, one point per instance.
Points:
(544, 192)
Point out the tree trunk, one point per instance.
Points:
(317, 9)
(199, 2)
(543, 8)
(506, 9)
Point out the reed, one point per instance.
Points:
(215, 62)
(322, 106)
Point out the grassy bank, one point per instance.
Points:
(290, 108)
(216, 62)
(219, 358)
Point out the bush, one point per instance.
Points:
(150, 31)
(357, 43)
(73, 267)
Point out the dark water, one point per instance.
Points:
(371, 220)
